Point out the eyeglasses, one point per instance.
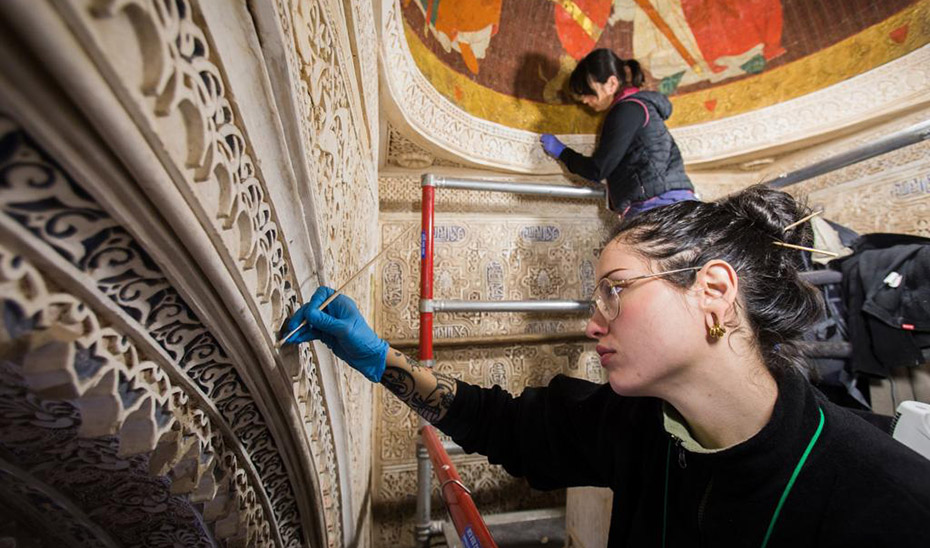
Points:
(607, 292)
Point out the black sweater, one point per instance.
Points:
(859, 487)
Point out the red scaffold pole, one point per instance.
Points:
(426, 271)
(468, 522)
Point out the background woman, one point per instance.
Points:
(706, 431)
(635, 151)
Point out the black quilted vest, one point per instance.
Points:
(652, 164)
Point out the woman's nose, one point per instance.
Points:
(597, 325)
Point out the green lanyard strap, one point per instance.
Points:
(781, 501)
(794, 476)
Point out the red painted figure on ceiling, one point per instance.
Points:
(463, 26)
(679, 42)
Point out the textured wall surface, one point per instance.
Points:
(175, 179)
(488, 246)
(888, 193)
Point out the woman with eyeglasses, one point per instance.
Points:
(706, 430)
(635, 152)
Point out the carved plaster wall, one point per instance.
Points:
(94, 382)
(402, 152)
(888, 193)
(170, 193)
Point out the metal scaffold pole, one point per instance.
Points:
(465, 516)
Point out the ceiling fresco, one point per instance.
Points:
(507, 61)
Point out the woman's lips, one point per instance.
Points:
(605, 354)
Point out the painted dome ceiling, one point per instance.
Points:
(506, 61)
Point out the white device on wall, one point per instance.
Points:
(912, 426)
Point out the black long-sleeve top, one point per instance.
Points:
(620, 125)
(859, 487)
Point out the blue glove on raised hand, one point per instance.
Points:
(343, 329)
(551, 145)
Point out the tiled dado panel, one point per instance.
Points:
(889, 193)
(511, 367)
(488, 258)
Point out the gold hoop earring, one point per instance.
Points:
(717, 331)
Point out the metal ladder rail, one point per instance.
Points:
(424, 527)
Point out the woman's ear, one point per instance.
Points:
(612, 85)
(718, 287)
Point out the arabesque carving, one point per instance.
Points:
(183, 78)
(888, 193)
(515, 258)
(342, 174)
(182, 84)
(82, 394)
(37, 196)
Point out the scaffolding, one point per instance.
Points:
(469, 525)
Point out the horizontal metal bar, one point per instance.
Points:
(809, 349)
(524, 516)
(513, 306)
(822, 277)
(900, 139)
(497, 340)
(453, 448)
(825, 349)
(538, 189)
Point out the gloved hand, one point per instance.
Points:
(551, 145)
(343, 329)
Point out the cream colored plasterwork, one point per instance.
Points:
(404, 153)
(438, 121)
(173, 81)
(342, 173)
(516, 258)
(365, 46)
(69, 353)
(48, 212)
(888, 193)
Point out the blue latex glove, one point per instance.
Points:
(551, 145)
(343, 329)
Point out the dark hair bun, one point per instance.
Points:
(770, 211)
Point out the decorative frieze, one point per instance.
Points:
(37, 196)
(85, 412)
(888, 193)
(175, 84)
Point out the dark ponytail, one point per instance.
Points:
(598, 66)
(636, 74)
(740, 229)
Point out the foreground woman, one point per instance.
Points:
(706, 431)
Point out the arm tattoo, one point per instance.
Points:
(399, 382)
(432, 404)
